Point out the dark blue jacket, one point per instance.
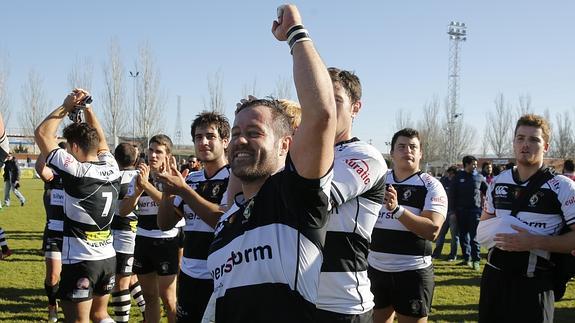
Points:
(465, 190)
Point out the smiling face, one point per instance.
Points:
(406, 154)
(209, 145)
(254, 151)
(529, 145)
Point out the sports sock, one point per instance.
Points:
(51, 292)
(136, 291)
(121, 304)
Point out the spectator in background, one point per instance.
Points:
(509, 165)
(12, 180)
(569, 168)
(487, 171)
(451, 221)
(465, 193)
(193, 164)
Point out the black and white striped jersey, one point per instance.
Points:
(393, 247)
(266, 256)
(124, 227)
(147, 212)
(54, 203)
(4, 145)
(544, 213)
(198, 235)
(357, 192)
(128, 222)
(90, 196)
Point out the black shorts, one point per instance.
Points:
(80, 281)
(124, 263)
(506, 297)
(52, 244)
(159, 255)
(409, 292)
(322, 316)
(193, 296)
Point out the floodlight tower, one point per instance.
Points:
(178, 130)
(457, 32)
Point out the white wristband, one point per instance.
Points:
(398, 212)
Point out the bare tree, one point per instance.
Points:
(458, 136)
(524, 106)
(429, 129)
(498, 131)
(81, 74)
(250, 89)
(403, 120)
(216, 93)
(283, 88)
(4, 99)
(34, 109)
(151, 102)
(115, 116)
(562, 141)
(463, 135)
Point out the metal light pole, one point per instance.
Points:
(134, 75)
(457, 32)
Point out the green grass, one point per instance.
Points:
(21, 276)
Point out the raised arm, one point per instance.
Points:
(93, 121)
(315, 94)
(45, 134)
(43, 171)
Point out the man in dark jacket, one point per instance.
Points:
(12, 180)
(465, 193)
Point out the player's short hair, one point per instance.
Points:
(281, 122)
(348, 80)
(452, 169)
(536, 121)
(568, 166)
(207, 118)
(468, 160)
(293, 110)
(405, 132)
(83, 135)
(163, 140)
(125, 154)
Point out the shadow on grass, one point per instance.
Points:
(472, 281)
(23, 303)
(463, 314)
(24, 235)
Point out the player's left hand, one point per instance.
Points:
(520, 241)
(288, 16)
(390, 198)
(173, 182)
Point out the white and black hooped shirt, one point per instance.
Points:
(357, 192)
(266, 256)
(147, 212)
(124, 227)
(91, 193)
(198, 234)
(54, 203)
(547, 211)
(393, 247)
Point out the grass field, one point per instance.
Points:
(21, 276)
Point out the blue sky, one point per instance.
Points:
(399, 49)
